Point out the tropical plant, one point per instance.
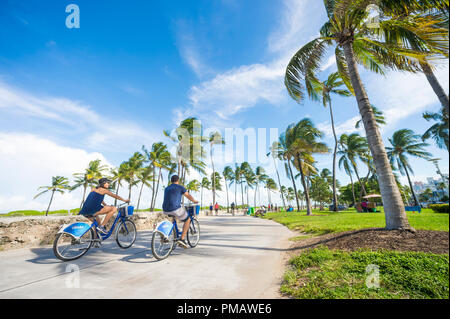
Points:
(93, 172)
(133, 166)
(322, 91)
(354, 147)
(271, 185)
(283, 153)
(144, 176)
(301, 140)
(158, 158)
(355, 43)
(206, 183)
(59, 184)
(189, 146)
(228, 176)
(274, 153)
(193, 186)
(438, 131)
(378, 114)
(260, 177)
(249, 177)
(405, 142)
(214, 138)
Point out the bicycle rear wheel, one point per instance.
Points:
(162, 246)
(66, 247)
(126, 234)
(193, 235)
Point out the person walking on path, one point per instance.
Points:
(216, 208)
(211, 209)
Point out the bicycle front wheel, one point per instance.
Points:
(66, 247)
(193, 235)
(126, 234)
(162, 246)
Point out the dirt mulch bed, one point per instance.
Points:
(429, 241)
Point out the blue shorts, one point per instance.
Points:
(91, 212)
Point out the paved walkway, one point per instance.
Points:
(237, 257)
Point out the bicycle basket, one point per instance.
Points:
(126, 211)
(193, 210)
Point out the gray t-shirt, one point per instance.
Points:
(172, 197)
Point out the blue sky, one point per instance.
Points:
(135, 68)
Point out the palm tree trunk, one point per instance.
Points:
(51, 199)
(201, 198)
(416, 202)
(213, 178)
(394, 208)
(228, 200)
(363, 189)
(353, 191)
(335, 202)
(293, 183)
(153, 190)
(279, 183)
(435, 85)
(242, 195)
(305, 187)
(139, 198)
(157, 188)
(117, 192)
(84, 195)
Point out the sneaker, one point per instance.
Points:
(182, 243)
(102, 229)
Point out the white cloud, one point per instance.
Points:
(101, 132)
(29, 162)
(217, 100)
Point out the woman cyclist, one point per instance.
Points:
(92, 207)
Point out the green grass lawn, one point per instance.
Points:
(20, 213)
(334, 274)
(330, 222)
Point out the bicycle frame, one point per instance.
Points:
(78, 230)
(162, 227)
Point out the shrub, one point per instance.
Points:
(440, 208)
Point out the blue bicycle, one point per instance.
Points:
(74, 240)
(166, 234)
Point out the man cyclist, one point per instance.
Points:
(172, 206)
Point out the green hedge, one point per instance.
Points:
(440, 208)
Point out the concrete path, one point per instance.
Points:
(237, 257)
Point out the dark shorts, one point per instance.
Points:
(90, 212)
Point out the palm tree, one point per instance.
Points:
(144, 176)
(214, 138)
(59, 184)
(274, 153)
(355, 147)
(238, 179)
(355, 43)
(193, 186)
(435, 161)
(189, 146)
(134, 164)
(378, 114)
(249, 177)
(158, 158)
(344, 163)
(271, 185)
(204, 184)
(285, 155)
(260, 177)
(92, 173)
(324, 90)
(405, 142)
(301, 139)
(228, 176)
(439, 131)
(118, 175)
